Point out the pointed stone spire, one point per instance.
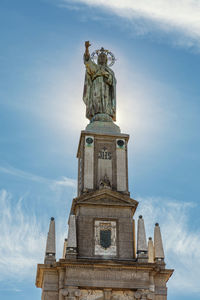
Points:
(71, 251)
(64, 248)
(142, 252)
(158, 245)
(50, 253)
(150, 251)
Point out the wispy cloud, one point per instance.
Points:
(146, 16)
(181, 244)
(23, 239)
(64, 181)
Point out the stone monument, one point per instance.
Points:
(101, 258)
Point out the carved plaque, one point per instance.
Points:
(105, 238)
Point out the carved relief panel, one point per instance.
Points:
(105, 162)
(114, 295)
(105, 238)
(91, 295)
(122, 295)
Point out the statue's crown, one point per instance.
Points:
(102, 51)
(110, 56)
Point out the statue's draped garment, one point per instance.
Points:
(99, 90)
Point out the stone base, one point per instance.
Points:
(71, 255)
(142, 257)
(98, 280)
(102, 118)
(103, 127)
(49, 260)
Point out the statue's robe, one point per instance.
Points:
(99, 90)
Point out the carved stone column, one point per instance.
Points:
(107, 294)
(61, 283)
(151, 282)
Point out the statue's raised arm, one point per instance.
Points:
(87, 53)
(100, 85)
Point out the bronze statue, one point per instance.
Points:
(100, 86)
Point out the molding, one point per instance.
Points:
(101, 135)
(104, 197)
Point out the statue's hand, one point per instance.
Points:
(87, 44)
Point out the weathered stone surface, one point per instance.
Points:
(142, 250)
(88, 163)
(49, 295)
(71, 250)
(106, 277)
(71, 241)
(94, 165)
(50, 281)
(50, 252)
(64, 248)
(103, 127)
(87, 216)
(150, 251)
(158, 245)
(122, 173)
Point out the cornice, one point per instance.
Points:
(90, 197)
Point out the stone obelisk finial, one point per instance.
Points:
(64, 248)
(158, 245)
(71, 250)
(142, 251)
(50, 253)
(150, 251)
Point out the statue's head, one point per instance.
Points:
(102, 59)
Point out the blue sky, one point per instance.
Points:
(157, 46)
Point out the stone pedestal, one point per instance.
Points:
(93, 279)
(102, 162)
(102, 260)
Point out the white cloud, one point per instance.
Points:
(23, 239)
(181, 16)
(181, 244)
(65, 181)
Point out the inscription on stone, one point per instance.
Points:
(104, 154)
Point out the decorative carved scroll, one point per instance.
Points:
(92, 295)
(108, 294)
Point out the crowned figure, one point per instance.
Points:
(100, 86)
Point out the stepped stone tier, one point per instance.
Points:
(101, 259)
